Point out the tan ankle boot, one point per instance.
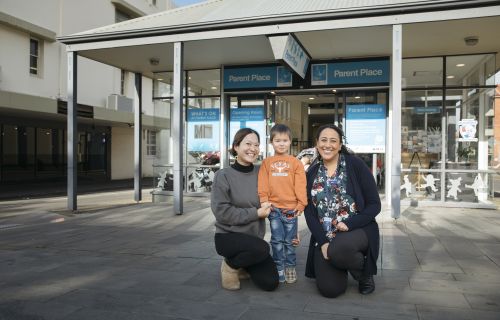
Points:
(230, 280)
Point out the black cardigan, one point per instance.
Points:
(362, 188)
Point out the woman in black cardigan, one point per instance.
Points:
(343, 202)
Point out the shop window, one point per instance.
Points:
(203, 82)
(35, 53)
(470, 70)
(422, 72)
(204, 102)
(469, 118)
(163, 84)
(421, 129)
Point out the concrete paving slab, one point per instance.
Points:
(440, 313)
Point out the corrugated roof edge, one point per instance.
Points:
(441, 5)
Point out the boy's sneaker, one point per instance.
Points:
(290, 275)
(281, 276)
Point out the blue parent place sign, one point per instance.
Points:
(351, 72)
(273, 76)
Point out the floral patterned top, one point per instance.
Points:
(330, 198)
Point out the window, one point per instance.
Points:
(34, 56)
(121, 16)
(151, 143)
(122, 82)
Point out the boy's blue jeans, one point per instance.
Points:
(283, 230)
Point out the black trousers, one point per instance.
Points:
(346, 252)
(251, 253)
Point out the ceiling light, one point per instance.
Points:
(272, 92)
(334, 90)
(450, 77)
(357, 97)
(311, 98)
(461, 65)
(159, 79)
(213, 88)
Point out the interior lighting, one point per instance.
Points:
(357, 97)
(334, 90)
(461, 65)
(311, 98)
(272, 92)
(450, 77)
(213, 88)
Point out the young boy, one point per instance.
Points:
(282, 182)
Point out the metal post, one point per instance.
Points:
(72, 131)
(395, 107)
(138, 137)
(178, 128)
(224, 127)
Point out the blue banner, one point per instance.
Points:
(365, 128)
(203, 129)
(353, 72)
(257, 77)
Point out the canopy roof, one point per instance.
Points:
(225, 32)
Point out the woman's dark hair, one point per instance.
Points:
(239, 136)
(343, 148)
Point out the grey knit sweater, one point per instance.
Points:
(234, 202)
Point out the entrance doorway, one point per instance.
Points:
(304, 112)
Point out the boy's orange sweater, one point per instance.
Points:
(282, 181)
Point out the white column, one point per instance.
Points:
(72, 140)
(395, 123)
(138, 137)
(178, 127)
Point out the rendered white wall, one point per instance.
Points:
(122, 153)
(14, 60)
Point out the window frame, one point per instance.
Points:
(35, 68)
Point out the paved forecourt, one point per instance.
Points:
(119, 260)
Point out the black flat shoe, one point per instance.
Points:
(366, 285)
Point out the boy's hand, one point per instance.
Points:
(296, 241)
(264, 210)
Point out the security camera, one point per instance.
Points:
(471, 41)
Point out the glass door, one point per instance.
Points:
(253, 111)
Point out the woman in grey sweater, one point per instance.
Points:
(240, 220)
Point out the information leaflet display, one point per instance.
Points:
(365, 128)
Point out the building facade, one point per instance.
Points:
(411, 82)
(33, 93)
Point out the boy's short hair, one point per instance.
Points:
(280, 128)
